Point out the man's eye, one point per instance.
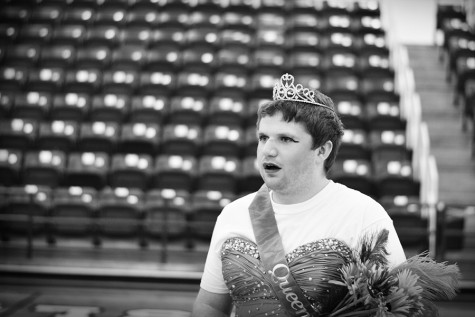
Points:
(262, 138)
(287, 139)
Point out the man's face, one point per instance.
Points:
(287, 163)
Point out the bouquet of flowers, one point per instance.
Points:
(408, 289)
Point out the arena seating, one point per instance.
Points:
(137, 118)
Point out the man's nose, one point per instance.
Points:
(270, 149)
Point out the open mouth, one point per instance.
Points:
(271, 167)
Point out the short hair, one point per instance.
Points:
(321, 123)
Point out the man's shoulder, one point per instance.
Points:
(353, 196)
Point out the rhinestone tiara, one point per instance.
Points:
(286, 90)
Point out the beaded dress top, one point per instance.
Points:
(311, 265)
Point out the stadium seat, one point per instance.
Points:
(110, 107)
(18, 133)
(167, 212)
(57, 135)
(120, 80)
(32, 105)
(233, 56)
(15, 13)
(378, 84)
(354, 173)
(98, 136)
(242, 37)
(250, 180)
(78, 15)
(395, 178)
(173, 13)
(149, 108)
(303, 21)
(368, 24)
(206, 206)
(83, 80)
(269, 38)
(35, 33)
(411, 226)
(44, 167)
(389, 144)
(175, 172)
(262, 81)
(93, 56)
(157, 82)
(217, 172)
(130, 170)
(112, 13)
(8, 32)
(268, 57)
(137, 35)
(206, 35)
(57, 56)
(46, 13)
(226, 109)
(121, 214)
(21, 203)
(302, 59)
(200, 57)
(139, 137)
(129, 56)
(11, 161)
(351, 110)
(7, 100)
(70, 106)
(332, 21)
(355, 145)
(250, 113)
(22, 54)
(74, 213)
(188, 109)
(373, 43)
(13, 78)
(170, 35)
(181, 139)
(47, 79)
(384, 114)
(87, 169)
(69, 34)
(164, 58)
(142, 14)
(108, 35)
(338, 41)
(219, 139)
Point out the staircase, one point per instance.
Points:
(450, 146)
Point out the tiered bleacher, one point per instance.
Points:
(457, 51)
(136, 118)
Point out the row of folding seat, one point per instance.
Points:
(84, 212)
(179, 138)
(304, 52)
(374, 82)
(226, 106)
(211, 13)
(112, 36)
(185, 171)
(458, 49)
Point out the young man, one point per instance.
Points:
(299, 214)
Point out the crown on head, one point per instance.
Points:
(286, 90)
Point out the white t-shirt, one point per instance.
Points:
(335, 212)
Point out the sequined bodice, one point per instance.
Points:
(312, 265)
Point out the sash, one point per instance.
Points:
(272, 254)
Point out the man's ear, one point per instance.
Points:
(324, 150)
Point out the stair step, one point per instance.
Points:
(449, 144)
